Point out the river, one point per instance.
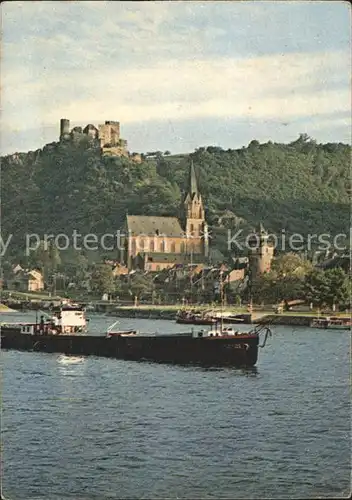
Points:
(110, 429)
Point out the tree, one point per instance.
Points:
(291, 264)
(102, 279)
(54, 257)
(254, 145)
(74, 264)
(330, 287)
(273, 288)
(46, 258)
(339, 287)
(141, 286)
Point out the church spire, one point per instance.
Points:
(192, 184)
(194, 216)
(261, 228)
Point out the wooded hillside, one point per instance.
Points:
(300, 187)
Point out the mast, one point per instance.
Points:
(191, 277)
(222, 300)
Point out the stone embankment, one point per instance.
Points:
(288, 319)
(5, 309)
(169, 314)
(135, 312)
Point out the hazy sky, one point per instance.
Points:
(177, 75)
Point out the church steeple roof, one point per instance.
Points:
(261, 229)
(192, 182)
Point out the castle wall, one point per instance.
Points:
(91, 131)
(137, 158)
(115, 151)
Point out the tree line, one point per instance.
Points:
(301, 187)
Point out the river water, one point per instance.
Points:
(111, 429)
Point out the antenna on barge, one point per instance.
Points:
(1, 401)
(222, 299)
(1, 395)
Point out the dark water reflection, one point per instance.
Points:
(112, 429)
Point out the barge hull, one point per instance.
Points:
(176, 349)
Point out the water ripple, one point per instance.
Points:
(110, 429)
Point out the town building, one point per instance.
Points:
(25, 280)
(261, 252)
(153, 243)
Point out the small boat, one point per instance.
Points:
(228, 318)
(332, 323)
(118, 333)
(194, 318)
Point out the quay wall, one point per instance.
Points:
(134, 312)
(289, 320)
(277, 319)
(157, 313)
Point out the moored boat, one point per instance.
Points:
(228, 318)
(332, 323)
(194, 318)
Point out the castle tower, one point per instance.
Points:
(261, 252)
(109, 133)
(64, 128)
(195, 226)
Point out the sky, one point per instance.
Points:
(177, 75)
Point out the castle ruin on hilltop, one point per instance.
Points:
(107, 135)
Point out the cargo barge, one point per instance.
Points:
(214, 347)
(193, 317)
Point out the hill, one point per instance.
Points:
(298, 187)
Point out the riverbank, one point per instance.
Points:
(168, 312)
(6, 309)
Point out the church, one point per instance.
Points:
(154, 243)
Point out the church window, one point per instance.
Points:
(142, 244)
(173, 247)
(152, 246)
(191, 227)
(182, 247)
(162, 246)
